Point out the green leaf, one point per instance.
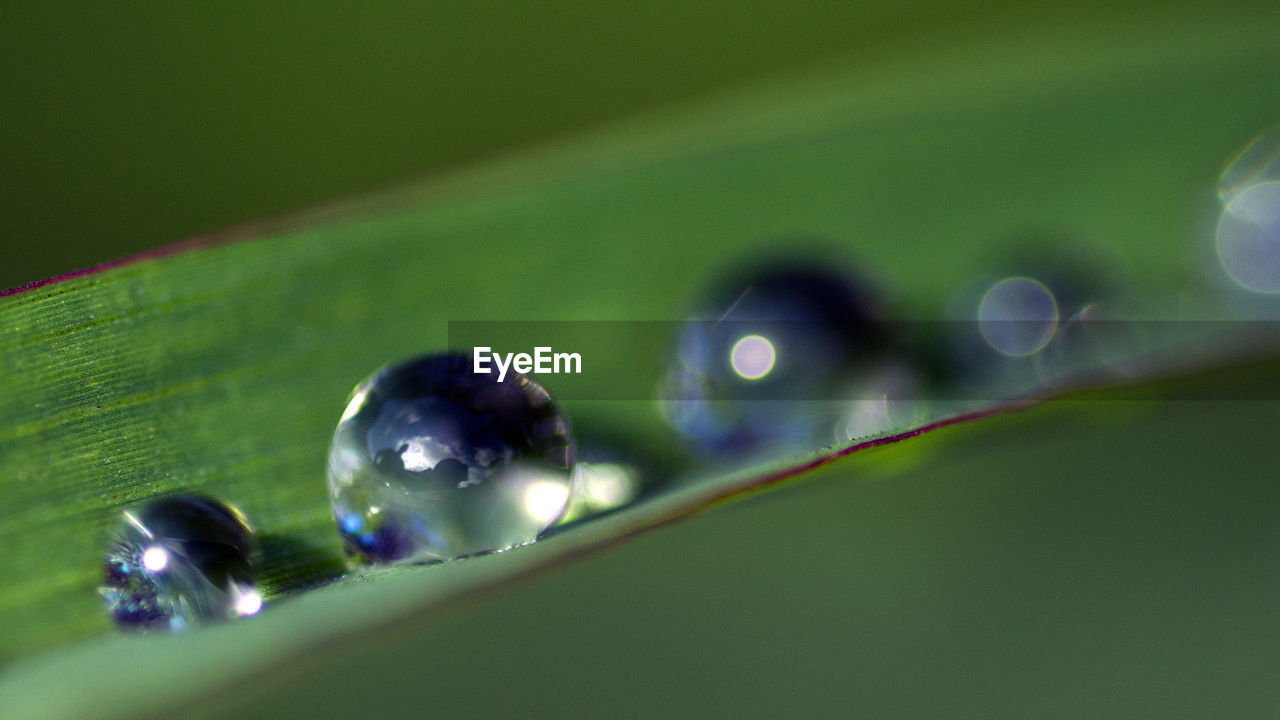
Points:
(223, 368)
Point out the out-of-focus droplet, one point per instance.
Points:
(767, 345)
(999, 326)
(1018, 316)
(1258, 162)
(180, 561)
(433, 461)
(1248, 237)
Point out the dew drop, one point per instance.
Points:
(1024, 324)
(754, 371)
(433, 461)
(180, 561)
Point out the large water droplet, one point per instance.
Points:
(433, 461)
(180, 561)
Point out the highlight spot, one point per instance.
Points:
(247, 603)
(545, 500)
(155, 558)
(753, 357)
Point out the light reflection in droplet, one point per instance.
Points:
(1018, 316)
(137, 524)
(247, 602)
(155, 558)
(544, 500)
(611, 472)
(605, 485)
(1248, 238)
(753, 357)
(358, 397)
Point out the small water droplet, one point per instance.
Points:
(433, 461)
(180, 561)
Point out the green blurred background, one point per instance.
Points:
(1118, 566)
(128, 127)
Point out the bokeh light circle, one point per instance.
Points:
(1018, 316)
(1248, 237)
(753, 357)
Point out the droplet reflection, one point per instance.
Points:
(544, 500)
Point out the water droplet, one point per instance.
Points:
(180, 561)
(755, 371)
(433, 461)
(1248, 237)
(1018, 316)
(1001, 326)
